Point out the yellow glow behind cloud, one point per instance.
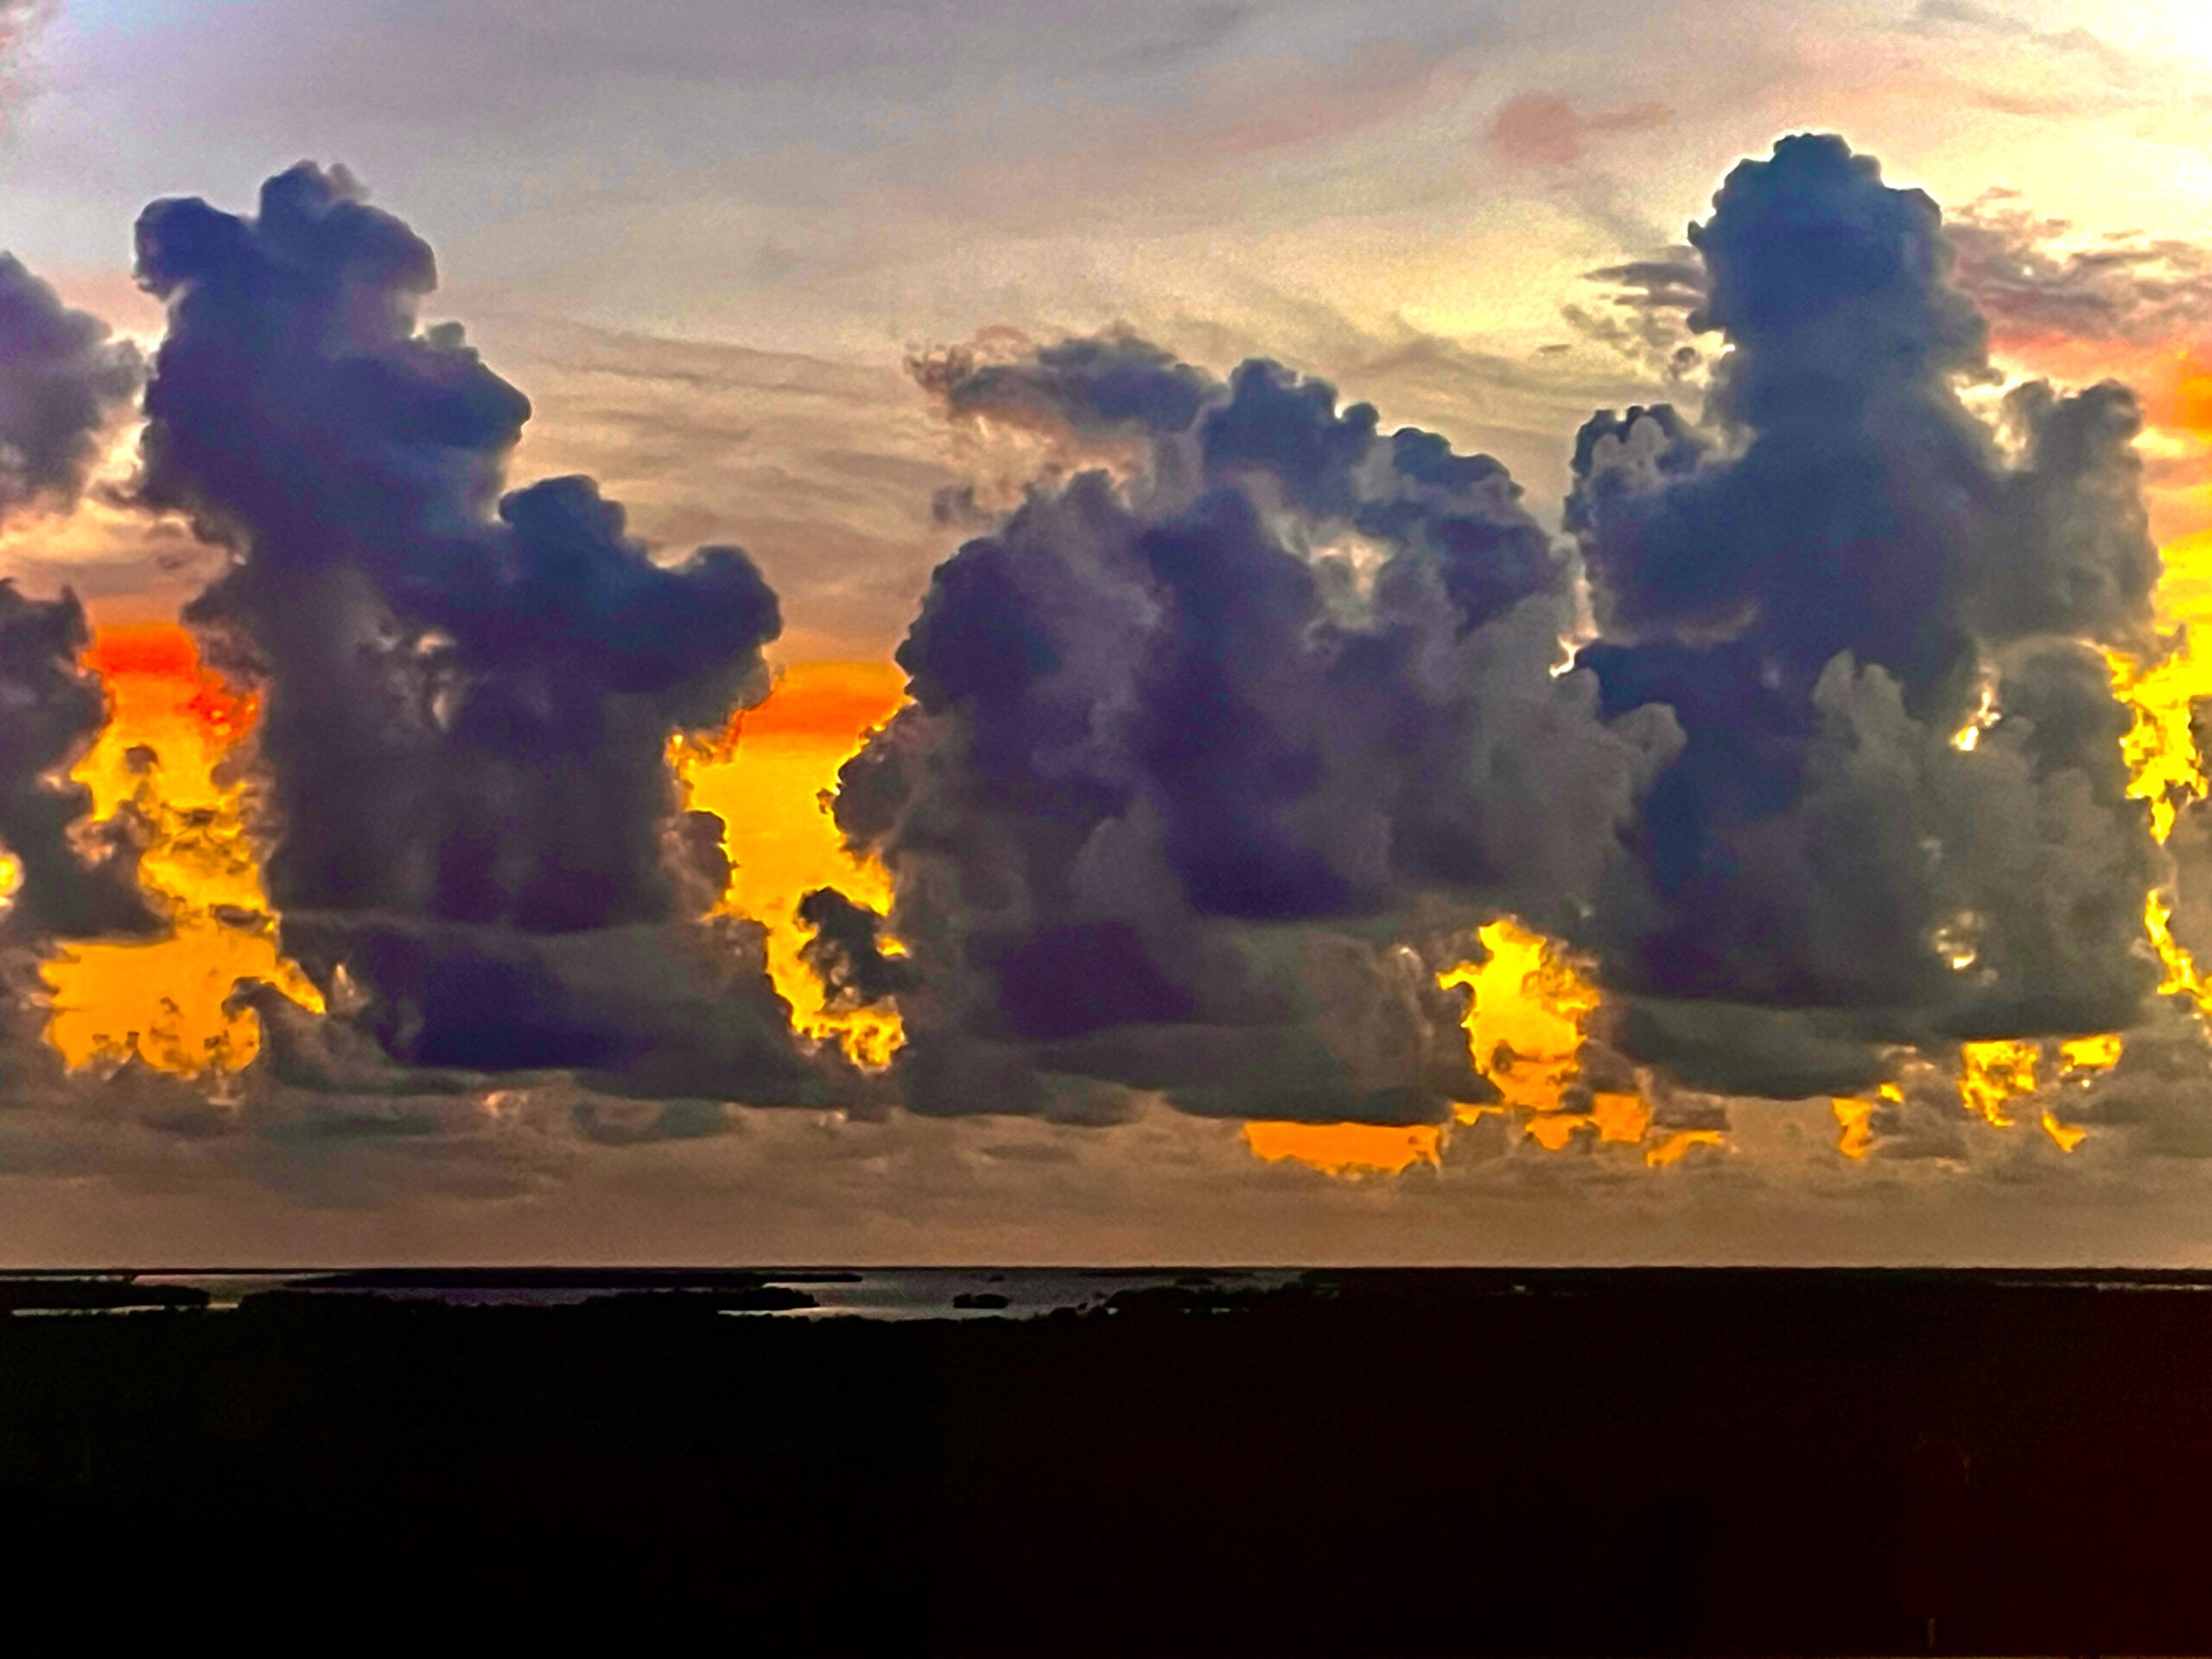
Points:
(766, 782)
(164, 999)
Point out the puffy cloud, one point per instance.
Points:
(467, 696)
(2156, 1092)
(1219, 745)
(1208, 772)
(659, 1010)
(64, 383)
(77, 879)
(2040, 284)
(847, 951)
(1225, 735)
(1823, 580)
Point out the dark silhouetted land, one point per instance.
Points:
(1357, 1462)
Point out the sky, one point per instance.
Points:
(1230, 632)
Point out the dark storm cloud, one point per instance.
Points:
(1822, 581)
(467, 696)
(2033, 284)
(79, 879)
(1210, 772)
(2033, 279)
(847, 952)
(1215, 757)
(656, 1011)
(2156, 1092)
(63, 385)
(1226, 737)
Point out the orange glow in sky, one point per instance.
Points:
(768, 779)
(1530, 1004)
(1991, 1074)
(1854, 1123)
(1347, 1149)
(1678, 1146)
(1525, 1015)
(1991, 1078)
(173, 725)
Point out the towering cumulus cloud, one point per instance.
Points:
(1227, 741)
(1224, 740)
(63, 383)
(468, 697)
(1900, 815)
(1212, 769)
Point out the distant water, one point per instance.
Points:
(807, 1293)
(879, 1293)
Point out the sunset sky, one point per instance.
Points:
(929, 631)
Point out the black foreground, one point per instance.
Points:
(1365, 1462)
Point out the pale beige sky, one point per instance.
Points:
(1317, 182)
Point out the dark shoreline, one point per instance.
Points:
(1363, 1461)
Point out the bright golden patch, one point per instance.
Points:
(2084, 1054)
(2159, 748)
(1528, 1011)
(1622, 1118)
(1526, 1019)
(1347, 1149)
(1992, 1074)
(173, 724)
(2068, 1135)
(1677, 1146)
(2164, 766)
(770, 779)
(1526, 1015)
(1554, 1130)
(1855, 1121)
(2080, 1061)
